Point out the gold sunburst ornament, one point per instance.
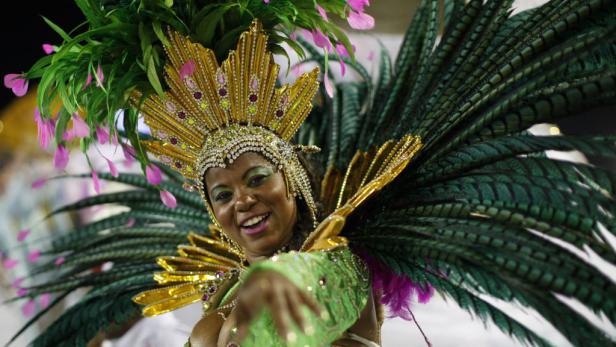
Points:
(214, 113)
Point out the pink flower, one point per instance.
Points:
(358, 5)
(307, 34)
(80, 127)
(17, 83)
(60, 158)
(293, 36)
(48, 48)
(39, 183)
(321, 40)
(21, 236)
(371, 55)
(59, 261)
(112, 168)
(45, 129)
(342, 52)
(88, 80)
(297, 70)
(329, 88)
(322, 12)
(129, 153)
(168, 199)
(17, 282)
(99, 76)
(130, 222)
(266, 1)
(68, 135)
(44, 300)
(360, 20)
(28, 308)
(96, 182)
(102, 135)
(114, 139)
(153, 174)
(10, 263)
(22, 292)
(187, 69)
(34, 255)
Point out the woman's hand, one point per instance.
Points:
(271, 290)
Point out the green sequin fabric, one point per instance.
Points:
(339, 282)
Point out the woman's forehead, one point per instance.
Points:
(243, 163)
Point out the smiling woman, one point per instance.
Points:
(253, 205)
(430, 174)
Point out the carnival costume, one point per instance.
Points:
(432, 180)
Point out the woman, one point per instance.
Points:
(467, 202)
(250, 200)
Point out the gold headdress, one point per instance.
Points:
(212, 114)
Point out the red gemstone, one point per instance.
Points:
(212, 289)
(182, 115)
(205, 297)
(197, 95)
(222, 92)
(178, 164)
(253, 98)
(279, 113)
(174, 141)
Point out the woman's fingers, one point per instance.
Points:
(309, 301)
(280, 314)
(295, 304)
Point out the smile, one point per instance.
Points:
(255, 225)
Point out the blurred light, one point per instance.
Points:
(554, 130)
(1, 126)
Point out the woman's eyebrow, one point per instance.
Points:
(218, 186)
(253, 168)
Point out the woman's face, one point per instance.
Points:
(250, 201)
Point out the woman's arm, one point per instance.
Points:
(337, 280)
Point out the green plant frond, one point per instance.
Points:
(123, 198)
(540, 69)
(548, 268)
(82, 321)
(72, 239)
(524, 108)
(495, 150)
(472, 46)
(478, 307)
(408, 55)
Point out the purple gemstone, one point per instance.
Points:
(182, 115)
(178, 164)
(222, 92)
(252, 98)
(205, 297)
(220, 274)
(212, 289)
(279, 113)
(174, 141)
(197, 95)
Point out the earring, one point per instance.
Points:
(233, 246)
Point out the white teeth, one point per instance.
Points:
(254, 220)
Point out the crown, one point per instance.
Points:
(213, 113)
(206, 101)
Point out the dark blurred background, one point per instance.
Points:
(24, 31)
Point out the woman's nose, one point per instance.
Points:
(245, 200)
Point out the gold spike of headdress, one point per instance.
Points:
(212, 114)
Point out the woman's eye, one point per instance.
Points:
(222, 196)
(256, 180)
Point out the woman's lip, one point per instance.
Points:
(256, 229)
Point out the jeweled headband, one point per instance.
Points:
(212, 114)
